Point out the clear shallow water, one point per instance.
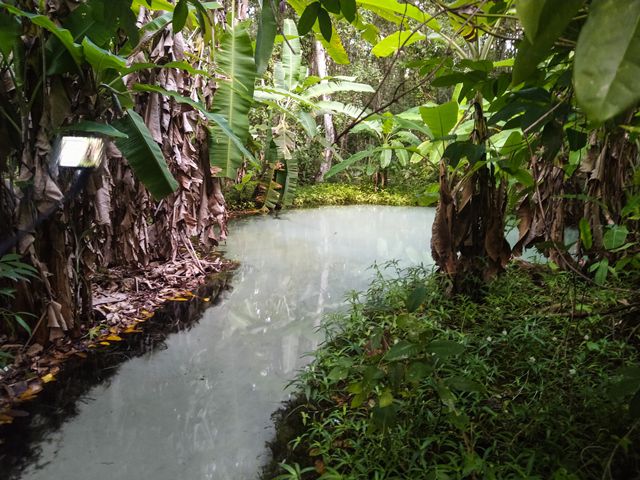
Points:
(201, 408)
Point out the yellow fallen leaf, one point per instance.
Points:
(146, 313)
(48, 378)
(93, 345)
(33, 390)
(206, 299)
(132, 329)
(5, 419)
(114, 338)
(105, 343)
(178, 299)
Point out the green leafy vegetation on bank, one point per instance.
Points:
(350, 194)
(325, 194)
(415, 384)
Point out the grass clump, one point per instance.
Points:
(537, 381)
(350, 194)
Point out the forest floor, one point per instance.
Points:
(123, 300)
(539, 379)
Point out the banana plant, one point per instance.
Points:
(295, 95)
(399, 140)
(296, 98)
(85, 39)
(233, 99)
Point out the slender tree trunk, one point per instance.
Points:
(320, 61)
(243, 10)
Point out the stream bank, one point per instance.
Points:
(539, 380)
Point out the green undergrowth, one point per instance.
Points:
(350, 194)
(540, 380)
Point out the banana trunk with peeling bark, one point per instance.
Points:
(468, 243)
(113, 221)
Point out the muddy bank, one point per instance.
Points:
(59, 400)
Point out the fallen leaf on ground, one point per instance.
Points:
(5, 419)
(34, 350)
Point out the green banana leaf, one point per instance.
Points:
(266, 36)
(329, 88)
(290, 184)
(291, 56)
(233, 99)
(269, 190)
(144, 155)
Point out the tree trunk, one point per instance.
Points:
(320, 63)
(243, 10)
(468, 241)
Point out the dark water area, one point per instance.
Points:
(60, 401)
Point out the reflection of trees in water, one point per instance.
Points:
(60, 401)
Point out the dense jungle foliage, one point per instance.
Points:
(496, 112)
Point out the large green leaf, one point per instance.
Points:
(291, 56)
(607, 60)
(308, 18)
(385, 156)
(585, 233)
(402, 9)
(529, 13)
(334, 47)
(180, 15)
(233, 99)
(276, 94)
(45, 22)
(329, 88)
(547, 19)
(440, 119)
(615, 237)
(9, 33)
(339, 167)
(88, 19)
(394, 42)
(290, 184)
(334, 107)
(269, 190)
(144, 155)
(266, 36)
(101, 59)
(348, 8)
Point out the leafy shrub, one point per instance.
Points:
(532, 383)
(12, 270)
(350, 194)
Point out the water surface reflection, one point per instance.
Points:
(201, 408)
